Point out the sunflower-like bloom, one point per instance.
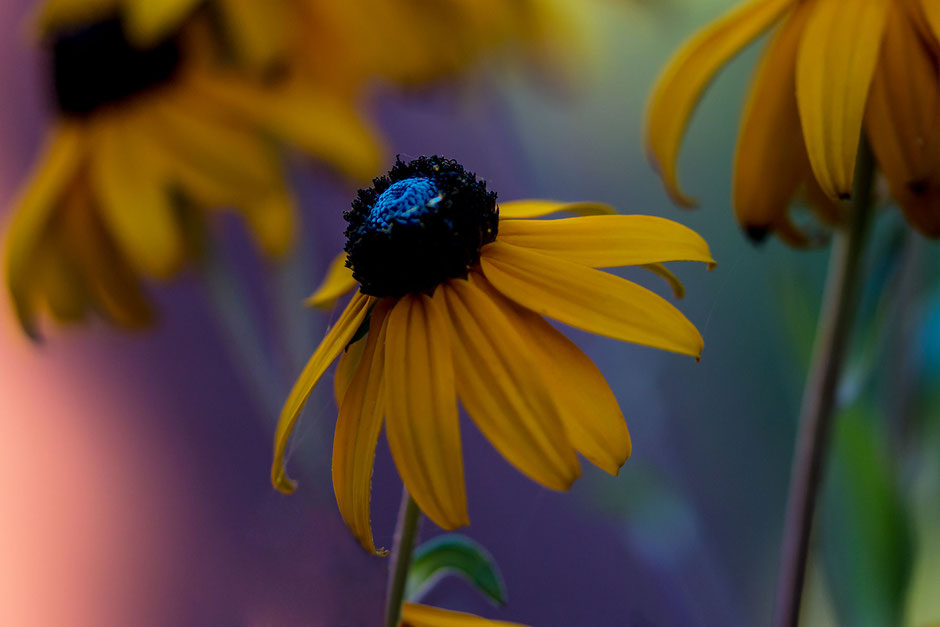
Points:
(415, 615)
(833, 69)
(452, 294)
(146, 139)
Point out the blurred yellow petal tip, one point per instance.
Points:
(338, 281)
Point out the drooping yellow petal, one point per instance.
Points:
(357, 433)
(421, 408)
(608, 241)
(770, 155)
(903, 119)
(134, 206)
(339, 280)
(836, 60)
(687, 75)
(521, 209)
(588, 299)
(148, 21)
(505, 390)
(329, 349)
(588, 408)
(346, 369)
(678, 289)
(415, 615)
(57, 168)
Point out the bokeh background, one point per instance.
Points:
(134, 468)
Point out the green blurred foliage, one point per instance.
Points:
(864, 526)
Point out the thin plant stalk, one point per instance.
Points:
(833, 331)
(230, 307)
(406, 532)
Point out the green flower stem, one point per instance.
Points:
(406, 531)
(843, 288)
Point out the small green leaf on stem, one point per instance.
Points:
(454, 554)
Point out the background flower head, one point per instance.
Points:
(148, 140)
(832, 72)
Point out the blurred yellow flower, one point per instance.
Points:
(415, 615)
(346, 43)
(833, 68)
(452, 290)
(145, 136)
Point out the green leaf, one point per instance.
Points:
(454, 554)
(865, 526)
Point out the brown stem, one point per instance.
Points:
(833, 331)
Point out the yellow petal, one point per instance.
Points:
(54, 15)
(588, 299)
(505, 390)
(770, 157)
(59, 282)
(421, 408)
(588, 408)
(931, 15)
(148, 21)
(111, 282)
(346, 369)
(516, 209)
(687, 75)
(414, 615)
(339, 280)
(678, 289)
(836, 59)
(135, 206)
(57, 168)
(258, 31)
(329, 349)
(206, 139)
(357, 433)
(903, 119)
(324, 126)
(273, 221)
(608, 241)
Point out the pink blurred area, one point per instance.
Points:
(84, 538)
(133, 473)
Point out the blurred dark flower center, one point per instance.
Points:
(95, 65)
(418, 226)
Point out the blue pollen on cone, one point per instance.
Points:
(406, 201)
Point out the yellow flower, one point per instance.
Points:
(452, 294)
(415, 615)
(833, 69)
(145, 137)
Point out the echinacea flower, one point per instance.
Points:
(452, 290)
(833, 69)
(146, 141)
(415, 615)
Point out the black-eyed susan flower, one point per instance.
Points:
(146, 139)
(452, 290)
(833, 70)
(416, 615)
